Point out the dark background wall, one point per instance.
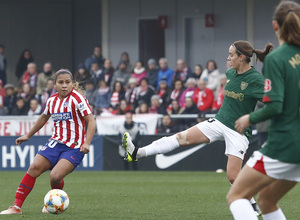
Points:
(61, 31)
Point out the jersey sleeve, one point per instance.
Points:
(83, 107)
(274, 82)
(47, 110)
(258, 87)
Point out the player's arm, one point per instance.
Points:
(91, 128)
(36, 127)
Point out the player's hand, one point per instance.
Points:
(242, 123)
(85, 148)
(22, 139)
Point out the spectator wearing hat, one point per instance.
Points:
(131, 92)
(90, 91)
(120, 75)
(152, 72)
(164, 92)
(3, 64)
(10, 97)
(139, 72)
(156, 107)
(165, 72)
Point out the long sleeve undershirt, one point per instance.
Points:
(269, 111)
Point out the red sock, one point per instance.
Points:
(24, 189)
(59, 186)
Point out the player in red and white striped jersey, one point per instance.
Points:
(65, 150)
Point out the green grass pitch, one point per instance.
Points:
(135, 195)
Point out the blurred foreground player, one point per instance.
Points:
(66, 148)
(275, 169)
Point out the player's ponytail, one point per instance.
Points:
(287, 15)
(246, 49)
(261, 54)
(78, 88)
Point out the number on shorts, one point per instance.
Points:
(210, 120)
(52, 144)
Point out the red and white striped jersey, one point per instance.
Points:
(67, 115)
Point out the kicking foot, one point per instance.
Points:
(11, 210)
(256, 209)
(44, 210)
(130, 149)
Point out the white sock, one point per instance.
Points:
(241, 209)
(252, 201)
(276, 215)
(161, 146)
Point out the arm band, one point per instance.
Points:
(270, 110)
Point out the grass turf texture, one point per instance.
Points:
(134, 195)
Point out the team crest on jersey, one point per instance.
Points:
(66, 104)
(267, 86)
(81, 106)
(244, 85)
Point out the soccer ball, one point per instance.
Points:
(56, 201)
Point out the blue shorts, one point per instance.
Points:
(54, 151)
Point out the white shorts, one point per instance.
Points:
(236, 143)
(274, 168)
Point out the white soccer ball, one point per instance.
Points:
(56, 201)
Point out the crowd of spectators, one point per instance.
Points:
(139, 88)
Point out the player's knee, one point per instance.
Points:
(182, 138)
(55, 179)
(34, 170)
(231, 176)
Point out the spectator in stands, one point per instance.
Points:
(27, 93)
(82, 75)
(167, 126)
(96, 73)
(35, 108)
(177, 91)
(219, 94)
(90, 91)
(120, 75)
(164, 72)
(96, 57)
(143, 93)
(3, 109)
(108, 72)
(156, 107)
(125, 58)
(211, 75)
(131, 92)
(190, 108)
(47, 92)
(103, 96)
(198, 69)
(2, 89)
(189, 91)
(123, 107)
(132, 128)
(10, 97)
(30, 76)
(3, 64)
(203, 97)
(20, 107)
(25, 58)
(164, 93)
(143, 108)
(183, 72)
(152, 73)
(174, 108)
(118, 93)
(43, 77)
(139, 72)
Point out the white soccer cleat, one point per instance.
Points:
(130, 149)
(44, 210)
(11, 210)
